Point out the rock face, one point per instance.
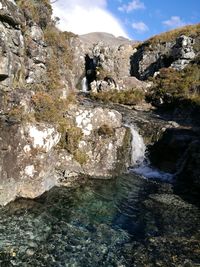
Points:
(108, 67)
(183, 52)
(27, 160)
(149, 58)
(167, 153)
(111, 59)
(31, 161)
(104, 143)
(25, 54)
(11, 44)
(190, 171)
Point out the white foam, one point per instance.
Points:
(152, 173)
(139, 163)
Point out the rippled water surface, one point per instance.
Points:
(127, 221)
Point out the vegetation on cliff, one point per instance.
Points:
(177, 87)
(39, 11)
(47, 102)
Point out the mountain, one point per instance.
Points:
(107, 38)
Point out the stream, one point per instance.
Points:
(132, 220)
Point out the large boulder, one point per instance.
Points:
(183, 52)
(27, 160)
(105, 143)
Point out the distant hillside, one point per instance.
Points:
(107, 38)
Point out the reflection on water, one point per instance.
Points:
(101, 223)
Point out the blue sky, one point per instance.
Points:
(135, 19)
(142, 19)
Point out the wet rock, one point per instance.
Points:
(189, 173)
(168, 151)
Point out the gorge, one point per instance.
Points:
(99, 145)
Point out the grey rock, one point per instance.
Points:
(103, 139)
(150, 58)
(183, 52)
(11, 14)
(27, 160)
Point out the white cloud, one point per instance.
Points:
(84, 16)
(131, 6)
(174, 21)
(140, 27)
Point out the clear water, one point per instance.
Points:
(90, 225)
(98, 223)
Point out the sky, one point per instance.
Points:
(134, 19)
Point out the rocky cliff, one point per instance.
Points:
(45, 135)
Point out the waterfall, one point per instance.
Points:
(139, 163)
(138, 147)
(84, 85)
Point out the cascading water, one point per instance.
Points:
(84, 85)
(141, 164)
(138, 147)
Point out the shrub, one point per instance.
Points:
(45, 108)
(16, 113)
(172, 85)
(71, 135)
(49, 107)
(80, 156)
(105, 130)
(102, 73)
(61, 56)
(126, 97)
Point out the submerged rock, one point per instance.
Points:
(129, 221)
